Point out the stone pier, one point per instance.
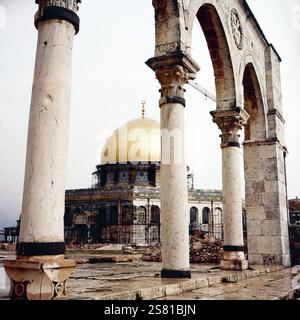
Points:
(40, 270)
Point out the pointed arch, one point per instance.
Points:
(256, 128)
(218, 47)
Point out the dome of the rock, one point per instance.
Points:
(136, 141)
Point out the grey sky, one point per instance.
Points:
(109, 81)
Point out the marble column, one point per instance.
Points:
(230, 123)
(173, 182)
(40, 270)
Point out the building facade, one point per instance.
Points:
(294, 208)
(294, 211)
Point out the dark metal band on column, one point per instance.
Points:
(234, 248)
(41, 249)
(233, 144)
(61, 13)
(171, 99)
(175, 274)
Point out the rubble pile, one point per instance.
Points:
(152, 255)
(7, 246)
(207, 250)
(203, 249)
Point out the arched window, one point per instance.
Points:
(194, 220)
(155, 215)
(205, 215)
(141, 215)
(193, 215)
(81, 218)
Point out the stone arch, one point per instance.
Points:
(235, 40)
(220, 54)
(256, 128)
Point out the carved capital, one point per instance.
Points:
(173, 71)
(67, 4)
(58, 9)
(172, 80)
(230, 122)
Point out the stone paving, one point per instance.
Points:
(274, 286)
(141, 280)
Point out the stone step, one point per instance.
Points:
(153, 287)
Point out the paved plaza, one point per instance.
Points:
(138, 280)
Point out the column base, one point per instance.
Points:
(234, 261)
(175, 274)
(39, 277)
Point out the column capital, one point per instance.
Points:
(172, 80)
(230, 122)
(172, 75)
(68, 4)
(173, 72)
(58, 9)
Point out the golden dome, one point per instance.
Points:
(136, 141)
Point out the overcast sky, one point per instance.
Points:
(109, 81)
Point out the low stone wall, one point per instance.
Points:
(206, 249)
